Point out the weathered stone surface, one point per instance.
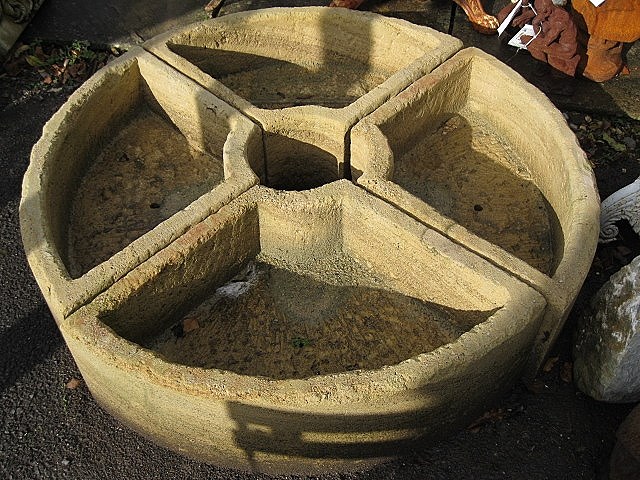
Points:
(298, 81)
(14, 17)
(466, 130)
(607, 350)
(73, 140)
(277, 95)
(337, 421)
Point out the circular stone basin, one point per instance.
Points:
(270, 253)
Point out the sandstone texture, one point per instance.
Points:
(73, 144)
(306, 256)
(238, 413)
(607, 350)
(497, 173)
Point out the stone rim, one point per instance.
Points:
(375, 172)
(65, 294)
(93, 343)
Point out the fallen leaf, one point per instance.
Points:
(35, 61)
(549, 364)
(491, 416)
(57, 71)
(190, 324)
(20, 50)
(73, 69)
(566, 373)
(73, 383)
(39, 52)
(617, 146)
(212, 5)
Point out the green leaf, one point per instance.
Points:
(35, 61)
(617, 146)
(300, 342)
(20, 50)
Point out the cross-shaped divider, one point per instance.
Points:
(375, 304)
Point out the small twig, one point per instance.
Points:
(213, 7)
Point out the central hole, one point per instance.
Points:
(297, 165)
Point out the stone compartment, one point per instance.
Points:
(137, 147)
(313, 274)
(489, 162)
(306, 76)
(340, 246)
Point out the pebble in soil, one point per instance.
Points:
(280, 323)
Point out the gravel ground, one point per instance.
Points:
(51, 428)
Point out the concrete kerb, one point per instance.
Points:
(554, 162)
(73, 137)
(302, 425)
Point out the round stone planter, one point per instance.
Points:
(256, 248)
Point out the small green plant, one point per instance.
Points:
(56, 65)
(300, 342)
(78, 50)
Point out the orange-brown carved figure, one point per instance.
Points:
(556, 40)
(603, 32)
(480, 20)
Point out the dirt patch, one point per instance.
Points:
(278, 323)
(144, 175)
(469, 174)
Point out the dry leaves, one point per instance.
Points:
(604, 141)
(566, 372)
(73, 383)
(549, 364)
(190, 324)
(491, 416)
(55, 66)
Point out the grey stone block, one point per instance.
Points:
(607, 350)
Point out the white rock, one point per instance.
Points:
(607, 350)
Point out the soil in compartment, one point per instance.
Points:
(468, 173)
(145, 174)
(280, 323)
(334, 81)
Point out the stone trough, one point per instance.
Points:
(306, 76)
(488, 161)
(99, 196)
(275, 253)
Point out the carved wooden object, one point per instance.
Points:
(480, 20)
